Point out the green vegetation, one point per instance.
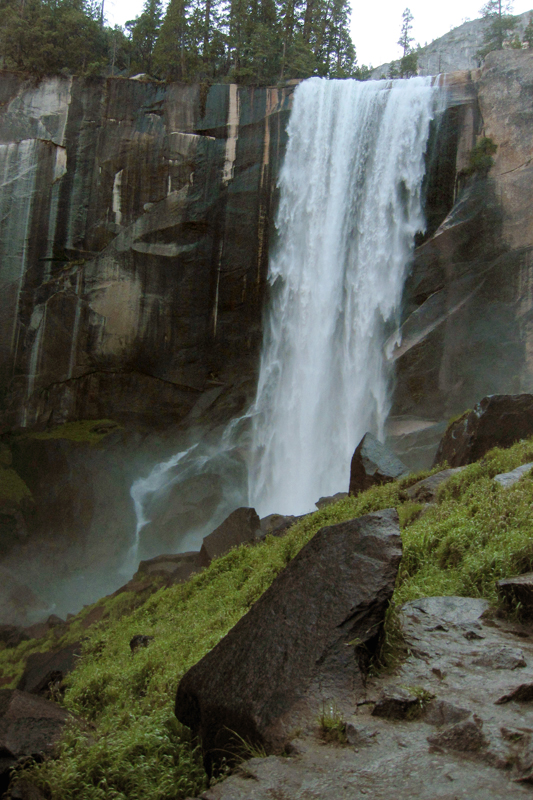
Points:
(481, 160)
(12, 487)
(423, 697)
(331, 724)
(88, 431)
(501, 27)
(243, 41)
(132, 746)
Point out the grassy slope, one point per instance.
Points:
(134, 748)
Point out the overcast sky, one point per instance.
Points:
(375, 25)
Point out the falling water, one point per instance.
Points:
(350, 207)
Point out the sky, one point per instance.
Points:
(375, 28)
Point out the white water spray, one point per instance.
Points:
(350, 207)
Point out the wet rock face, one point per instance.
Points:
(496, 421)
(465, 332)
(373, 464)
(440, 725)
(305, 641)
(134, 243)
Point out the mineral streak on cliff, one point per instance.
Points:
(134, 229)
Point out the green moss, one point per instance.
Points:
(89, 431)
(477, 533)
(12, 487)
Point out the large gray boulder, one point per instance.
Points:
(304, 643)
(498, 420)
(373, 464)
(243, 526)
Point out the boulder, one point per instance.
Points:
(306, 641)
(322, 502)
(425, 491)
(520, 694)
(508, 479)
(140, 640)
(519, 590)
(397, 703)
(498, 420)
(464, 737)
(13, 635)
(243, 526)
(30, 726)
(373, 464)
(174, 568)
(45, 670)
(41, 629)
(276, 525)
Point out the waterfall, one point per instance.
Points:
(350, 206)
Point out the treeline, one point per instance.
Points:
(243, 41)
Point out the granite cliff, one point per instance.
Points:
(467, 302)
(135, 221)
(134, 234)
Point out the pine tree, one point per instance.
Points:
(176, 53)
(47, 37)
(406, 39)
(502, 24)
(143, 35)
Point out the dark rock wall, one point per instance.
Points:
(134, 242)
(467, 328)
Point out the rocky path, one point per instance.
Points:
(472, 740)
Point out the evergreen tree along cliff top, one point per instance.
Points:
(256, 42)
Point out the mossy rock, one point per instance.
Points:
(86, 431)
(12, 487)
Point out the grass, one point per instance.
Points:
(12, 487)
(331, 724)
(130, 746)
(87, 431)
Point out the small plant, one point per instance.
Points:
(480, 160)
(423, 696)
(332, 726)
(248, 749)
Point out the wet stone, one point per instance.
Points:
(501, 657)
(440, 712)
(521, 694)
(464, 737)
(396, 704)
